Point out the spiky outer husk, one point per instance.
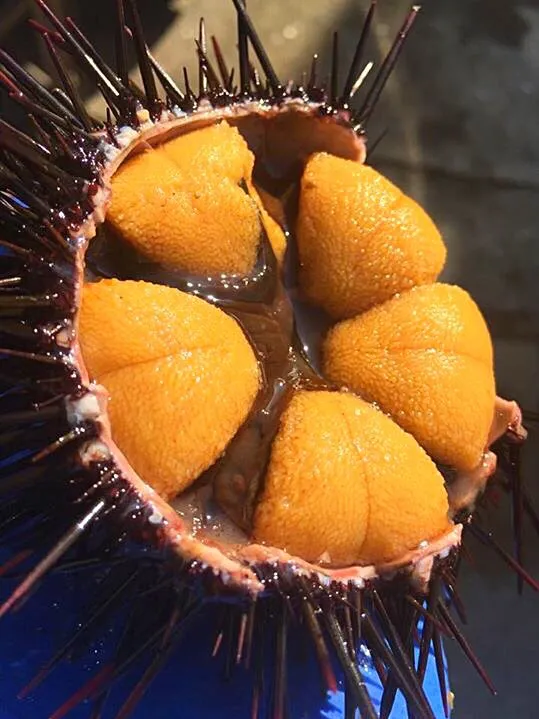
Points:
(60, 512)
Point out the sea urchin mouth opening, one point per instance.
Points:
(196, 319)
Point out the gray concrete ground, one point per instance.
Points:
(463, 139)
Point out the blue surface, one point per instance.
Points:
(190, 686)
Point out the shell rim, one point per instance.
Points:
(243, 569)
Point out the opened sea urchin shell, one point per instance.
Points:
(169, 281)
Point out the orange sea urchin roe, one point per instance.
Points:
(346, 485)
(181, 204)
(426, 358)
(360, 239)
(180, 374)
